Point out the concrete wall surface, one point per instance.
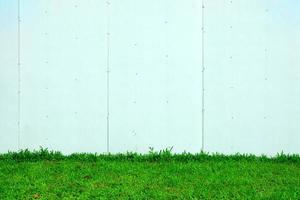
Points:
(126, 75)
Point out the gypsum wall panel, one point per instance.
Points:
(8, 76)
(252, 77)
(63, 102)
(155, 75)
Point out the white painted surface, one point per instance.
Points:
(252, 75)
(8, 78)
(63, 76)
(155, 75)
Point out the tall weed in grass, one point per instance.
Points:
(151, 156)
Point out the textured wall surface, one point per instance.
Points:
(117, 76)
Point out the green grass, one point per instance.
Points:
(157, 175)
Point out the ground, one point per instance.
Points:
(141, 177)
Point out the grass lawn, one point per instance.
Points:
(50, 175)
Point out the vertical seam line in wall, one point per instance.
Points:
(107, 76)
(203, 78)
(19, 76)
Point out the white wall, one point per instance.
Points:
(141, 62)
(253, 76)
(8, 77)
